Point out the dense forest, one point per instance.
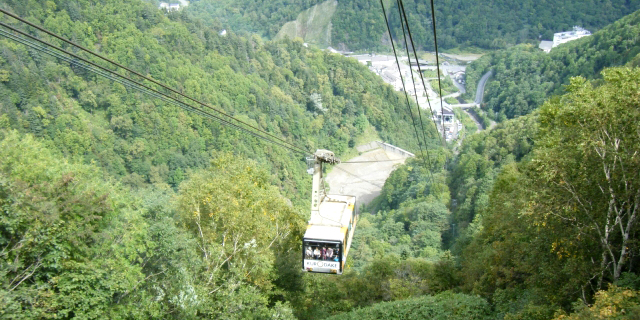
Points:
(359, 24)
(543, 224)
(546, 236)
(524, 76)
(117, 205)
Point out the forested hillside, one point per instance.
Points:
(482, 157)
(445, 306)
(544, 222)
(77, 246)
(500, 24)
(524, 76)
(546, 235)
(270, 85)
(543, 209)
(117, 205)
(359, 24)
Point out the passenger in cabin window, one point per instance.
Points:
(316, 253)
(308, 253)
(330, 254)
(324, 253)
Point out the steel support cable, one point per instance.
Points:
(362, 179)
(415, 54)
(371, 161)
(133, 83)
(435, 41)
(415, 91)
(384, 13)
(406, 45)
(136, 87)
(145, 77)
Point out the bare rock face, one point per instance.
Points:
(312, 25)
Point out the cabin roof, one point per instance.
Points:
(325, 233)
(335, 210)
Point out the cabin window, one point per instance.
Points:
(322, 251)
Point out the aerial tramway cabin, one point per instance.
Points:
(326, 242)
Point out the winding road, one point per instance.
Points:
(479, 96)
(481, 84)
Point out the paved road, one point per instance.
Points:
(481, 84)
(460, 86)
(479, 94)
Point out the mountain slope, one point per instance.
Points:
(142, 140)
(359, 25)
(524, 76)
(262, 17)
(312, 25)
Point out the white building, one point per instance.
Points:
(563, 37)
(170, 6)
(392, 77)
(448, 119)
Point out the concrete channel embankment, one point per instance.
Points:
(365, 175)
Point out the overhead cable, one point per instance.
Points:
(406, 45)
(384, 12)
(370, 161)
(415, 91)
(415, 54)
(435, 40)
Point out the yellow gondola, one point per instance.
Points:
(330, 230)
